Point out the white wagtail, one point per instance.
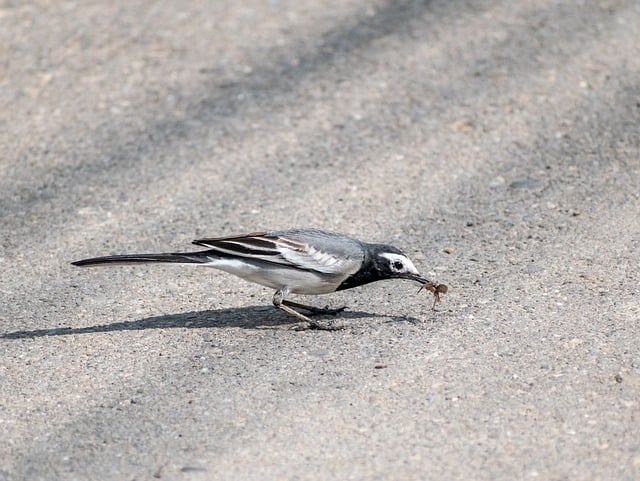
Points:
(296, 261)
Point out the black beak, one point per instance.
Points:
(418, 278)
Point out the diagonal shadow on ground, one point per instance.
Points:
(254, 317)
(276, 78)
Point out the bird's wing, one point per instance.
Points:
(301, 249)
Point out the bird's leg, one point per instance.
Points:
(280, 303)
(312, 309)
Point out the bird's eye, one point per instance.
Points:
(398, 266)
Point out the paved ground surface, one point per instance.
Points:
(498, 143)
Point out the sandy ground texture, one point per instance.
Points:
(496, 142)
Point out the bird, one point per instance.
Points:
(293, 261)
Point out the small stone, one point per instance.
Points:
(462, 125)
(497, 181)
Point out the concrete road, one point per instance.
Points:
(496, 142)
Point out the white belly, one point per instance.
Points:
(298, 281)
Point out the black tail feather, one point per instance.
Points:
(176, 258)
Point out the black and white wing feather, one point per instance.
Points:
(312, 250)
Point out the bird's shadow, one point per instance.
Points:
(253, 317)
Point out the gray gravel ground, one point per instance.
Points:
(497, 142)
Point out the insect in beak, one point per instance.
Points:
(435, 289)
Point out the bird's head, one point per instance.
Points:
(391, 263)
(383, 262)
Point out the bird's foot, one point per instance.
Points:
(290, 308)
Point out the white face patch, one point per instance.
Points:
(399, 263)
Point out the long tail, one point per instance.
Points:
(202, 257)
